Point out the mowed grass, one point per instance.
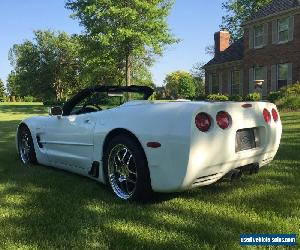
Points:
(45, 208)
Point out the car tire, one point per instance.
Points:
(126, 169)
(25, 144)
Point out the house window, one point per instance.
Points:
(259, 73)
(283, 30)
(282, 76)
(215, 84)
(258, 36)
(235, 82)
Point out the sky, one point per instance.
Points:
(192, 21)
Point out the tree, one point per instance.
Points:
(2, 91)
(47, 68)
(12, 85)
(125, 31)
(239, 11)
(210, 50)
(198, 74)
(180, 84)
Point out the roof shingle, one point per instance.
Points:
(234, 52)
(274, 7)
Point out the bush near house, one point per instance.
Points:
(287, 98)
(253, 97)
(217, 97)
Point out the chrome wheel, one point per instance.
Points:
(24, 147)
(122, 171)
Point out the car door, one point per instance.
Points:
(68, 141)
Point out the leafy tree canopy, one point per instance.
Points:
(46, 68)
(2, 90)
(238, 11)
(180, 84)
(125, 31)
(198, 74)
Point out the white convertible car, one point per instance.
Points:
(143, 146)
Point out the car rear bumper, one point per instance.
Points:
(218, 171)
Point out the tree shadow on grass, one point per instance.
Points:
(42, 207)
(23, 109)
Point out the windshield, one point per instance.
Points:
(98, 101)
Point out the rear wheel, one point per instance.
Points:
(25, 146)
(127, 170)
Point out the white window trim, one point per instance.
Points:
(277, 75)
(254, 37)
(232, 78)
(254, 72)
(215, 75)
(287, 40)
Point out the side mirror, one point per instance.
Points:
(55, 111)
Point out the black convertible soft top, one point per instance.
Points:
(70, 104)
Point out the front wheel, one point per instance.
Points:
(127, 170)
(25, 146)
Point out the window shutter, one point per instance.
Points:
(251, 38)
(251, 83)
(265, 84)
(290, 73)
(210, 83)
(224, 82)
(229, 82)
(241, 82)
(220, 83)
(291, 28)
(274, 32)
(273, 77)
(266, 27)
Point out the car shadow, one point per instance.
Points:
(44, 207)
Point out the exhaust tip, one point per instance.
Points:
(233, 175)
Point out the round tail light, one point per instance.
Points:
(274, 115)
(203, 122)
(223, 119)
(267, 116)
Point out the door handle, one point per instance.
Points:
(87, 121)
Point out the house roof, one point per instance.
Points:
(234, 52)
(274, 7)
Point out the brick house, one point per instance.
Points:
(269, 51)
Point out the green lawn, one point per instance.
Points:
(41, 207)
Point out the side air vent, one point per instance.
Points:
(38, 139)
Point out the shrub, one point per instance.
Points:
(28, 98)
(235, 98)
(291, 90)
(287, 97)
(289, 103)
(217, 97)
(274, 96)
(253, 97)
(18, 99)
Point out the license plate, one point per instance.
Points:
(245, 140)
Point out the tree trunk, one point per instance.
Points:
(128, 71)
(128, 75)
(58, 90)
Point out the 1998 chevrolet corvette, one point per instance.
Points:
(143, 146)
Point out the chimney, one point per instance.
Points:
(222, 39)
